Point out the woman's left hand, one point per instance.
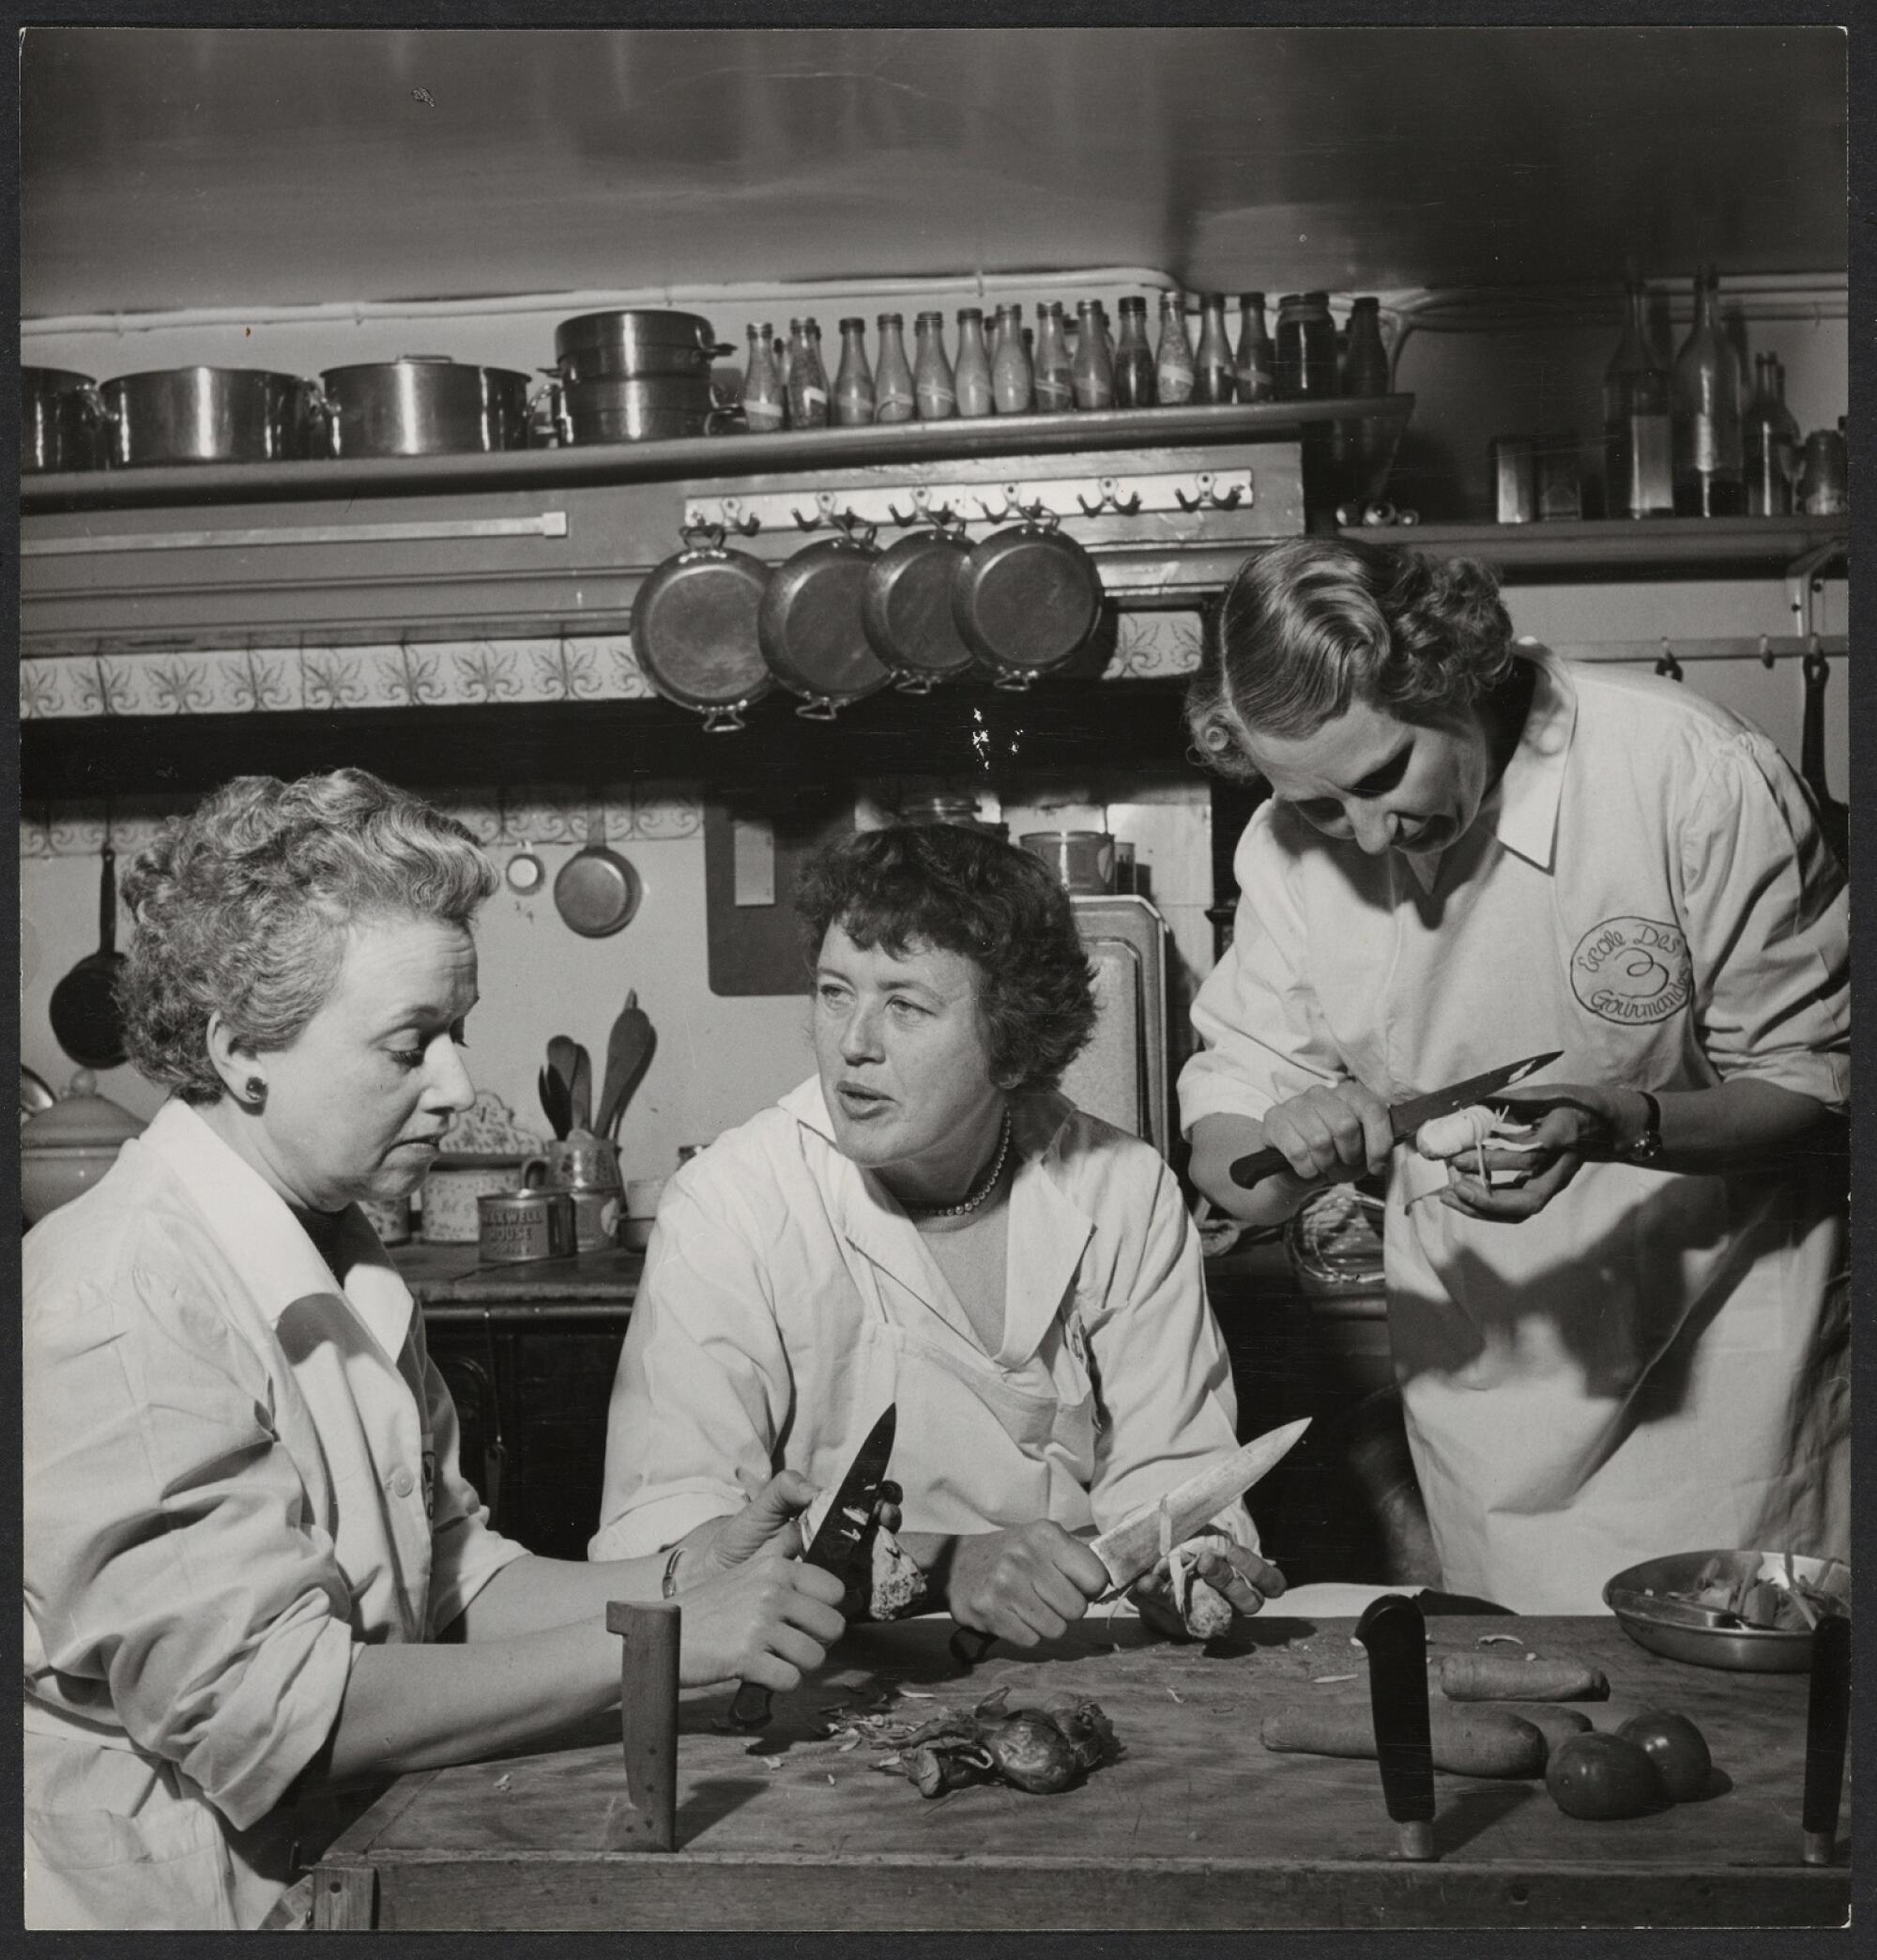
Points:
(1575, 1124)
(1227, 1578)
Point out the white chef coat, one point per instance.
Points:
(237, 1471)
(788, 1299)
(1655, 1362)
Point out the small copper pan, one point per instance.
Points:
(811, 629)
(1026, 599)
(905, 609)
(695, 630)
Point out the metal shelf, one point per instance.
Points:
(1620, 545)
(694, 459)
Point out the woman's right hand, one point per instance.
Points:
(1332, 1133)
(752, 1611)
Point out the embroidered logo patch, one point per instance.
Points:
(1633, 972)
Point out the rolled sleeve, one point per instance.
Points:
(466, 1551)
(1767, 918)
(1165, 1379)
(169, 1564)
(703, 1387)
(1257, 1014)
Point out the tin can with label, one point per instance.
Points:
(1514, 478)
(515, 1226)
(595, 1216)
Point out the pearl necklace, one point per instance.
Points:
(972, 1202)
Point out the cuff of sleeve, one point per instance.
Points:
(464, 1559)
(1210, 1095)
(660, 1521)
(301, 1713)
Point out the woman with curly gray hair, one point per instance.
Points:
(929, 1222)
(1617, 1325)
(254, 1574)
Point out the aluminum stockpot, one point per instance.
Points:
(621, 411)
(61, 421)
(206, 415)
(423, 404)
(636, 346)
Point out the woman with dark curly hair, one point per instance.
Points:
(928, 1221)
(246, 1531)
(1620, 1333)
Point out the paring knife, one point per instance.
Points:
(1827, 1716)
(1135, 1544)
(1396, 1636)
(1405, 1118)
(836, 1544)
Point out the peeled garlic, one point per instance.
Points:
(1446, 1137)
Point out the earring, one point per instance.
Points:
(257, 1090)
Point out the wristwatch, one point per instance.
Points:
(1647, 1148)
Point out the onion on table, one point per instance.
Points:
(1038, 1750)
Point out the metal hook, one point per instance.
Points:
(995, 517)
(1668, 665)
(702, 536)
(747, 526)
(1127, 509)
(805, 522)
(1191, 503)
(1228, 501)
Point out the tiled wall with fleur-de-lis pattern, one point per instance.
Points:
(432, 674)
(544, 813)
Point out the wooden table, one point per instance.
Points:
(1198, 1826)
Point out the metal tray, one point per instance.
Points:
(1746, 1650)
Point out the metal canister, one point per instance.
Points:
(1514, 478)
(516, 1226)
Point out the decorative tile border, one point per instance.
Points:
(440, 674)
(547, 814)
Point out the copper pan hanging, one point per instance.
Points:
(695, 630)
(905, 608)
(811, 629)
(1027, 598)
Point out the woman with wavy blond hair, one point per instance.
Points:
(1624, 1337)
(254, 1574)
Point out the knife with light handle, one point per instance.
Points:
(1405, 1118)
(1827, 1716)
(1138, 1543)
(1396, 1637)
(836, 1543)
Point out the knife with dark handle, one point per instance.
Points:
(836, 1543)
(1405, 1118)
(1395, 1636)
(1827, 1716)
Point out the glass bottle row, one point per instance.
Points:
(1003, 367)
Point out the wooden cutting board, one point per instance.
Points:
(1198, 1826)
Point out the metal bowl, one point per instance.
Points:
(1679, 1632)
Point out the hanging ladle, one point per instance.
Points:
(84, 1008)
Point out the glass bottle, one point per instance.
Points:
(1636, 480)
(1255, 379)
(779, 354)
(934, 391)
(1361, 444)
(1769, 443)
(1092, 376)
(1012, 383)
(893, 399)
(971, 372)
(1055, 371)
(763, 392)
(1134, 358)
(853, 380)
(1215, 378)
(808, 380)
(1705, 420)
(1173, 358)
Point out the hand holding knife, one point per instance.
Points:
(1132, 1548)
(1406, 1118)
(837, 1545)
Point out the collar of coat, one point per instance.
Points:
(1047, 1231)
(266, 1244)
(1524, 804)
